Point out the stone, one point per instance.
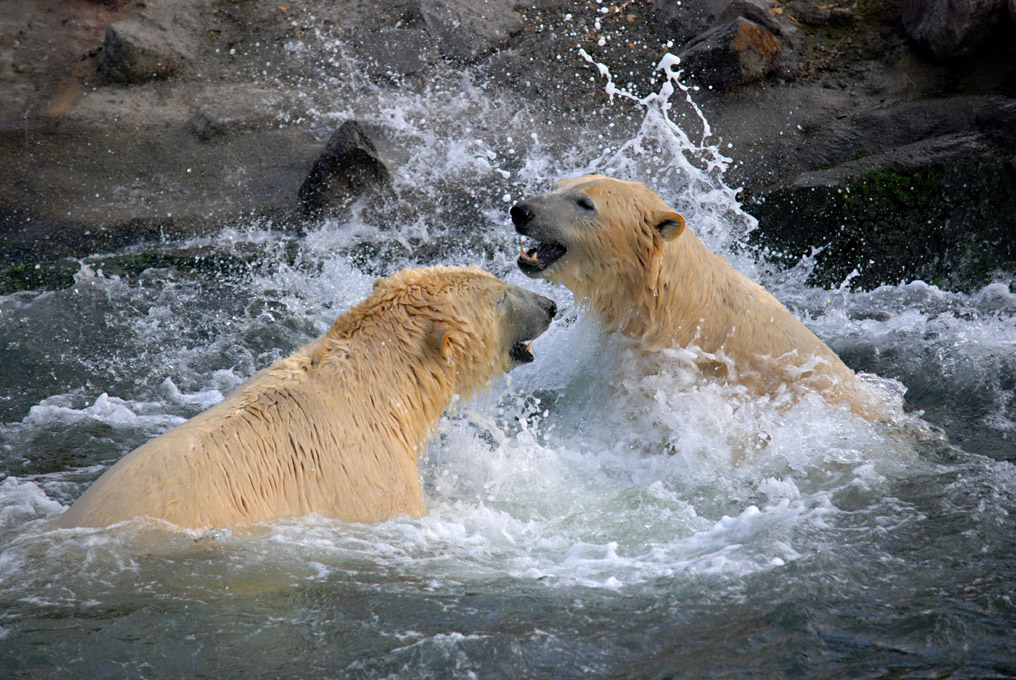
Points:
(683, 21)
(137, 51)
(941, 210)
(951, 28)
(737, 53)
(997, 120)
(228, 110)
(466, 30)
(349, 166)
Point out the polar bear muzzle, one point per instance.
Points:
(531, 221)
(527, 316)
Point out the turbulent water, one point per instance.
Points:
(590, 516)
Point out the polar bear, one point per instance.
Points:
(627, 256)
(336, 428)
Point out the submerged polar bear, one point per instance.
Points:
(626, 255)
(337, 427)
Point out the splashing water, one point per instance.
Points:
(585, 518)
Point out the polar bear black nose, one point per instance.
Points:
(548, 306)
(521, 214)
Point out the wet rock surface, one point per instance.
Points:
(466, 29)
(737, 53)
(123, 121)
(938, 210)
(952, 28)
(138, 51)
(349, 166)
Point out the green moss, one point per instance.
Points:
(948, 224)
(56, 274)
(894, 190)
(197, 262)
(36, 276)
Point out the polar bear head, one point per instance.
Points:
(465, 318)
(595, 233)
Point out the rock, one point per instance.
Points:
(136, 51)
(941, 210)
(229, 110)
(951, 28)
(399, 51)
(349, 166)
(466, 29)
(737, 53)
(823, 15)
(997, 120)
(682, 21)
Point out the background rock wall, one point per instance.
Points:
(876, 130)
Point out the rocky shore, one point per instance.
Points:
(879, 135)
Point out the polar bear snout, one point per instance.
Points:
(528, 315)
(533, 219)
(547, 305)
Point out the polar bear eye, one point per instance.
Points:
(585, 202)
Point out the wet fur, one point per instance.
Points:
(337, 427)
(653, 280)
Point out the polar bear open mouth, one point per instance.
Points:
(537, 259)
(522, 352)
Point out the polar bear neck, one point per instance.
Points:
(679, 293)
(387, 384)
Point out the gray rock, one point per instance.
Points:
(737, 53)
(942, 210)
(229, 110)
(467, 29)
(349, 166)
(683, 21)
(997, 120)
(399, 51)
(137, 51)
(951, 28)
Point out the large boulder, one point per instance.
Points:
(136, 51)
(733, 54)
(942, 210)
(349, 166)
(726, 43)
(683, 21)
(951, 28)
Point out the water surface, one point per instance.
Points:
(591, 516)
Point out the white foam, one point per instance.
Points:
(108, 410)
(22, 501)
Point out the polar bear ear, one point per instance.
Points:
(668, 223)
(440, 340)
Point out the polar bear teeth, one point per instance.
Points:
(522, 352)
(542, 256)
(523, 255)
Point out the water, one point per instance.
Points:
(591, 516)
